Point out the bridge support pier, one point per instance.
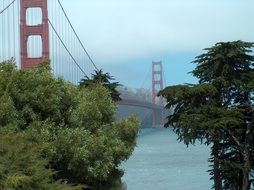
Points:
(158, 120)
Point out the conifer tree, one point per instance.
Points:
(106, 80)
(219, 111)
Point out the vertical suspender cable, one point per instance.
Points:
(69, 60)
(58, 51)
(65, 58)
(2, 53)
(18, 21)
(18, 42)
(54, 52)
(83, 47)
(8, 33)
(164, 79)
(66, 48)
(71, 68)
(14, 29)
(61, 30)
(52, 42)
(62, 54)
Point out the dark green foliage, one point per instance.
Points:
(105, 80)
(21, 165)
(219, 111)
(81, 140)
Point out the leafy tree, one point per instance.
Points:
(105, 80)
(83, 144)
(219, 111)
(21, 166)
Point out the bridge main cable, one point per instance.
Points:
(2, 11)
(58, 36)
(82, 45)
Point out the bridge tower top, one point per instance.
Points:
(157, 79)
(26, 31)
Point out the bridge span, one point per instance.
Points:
(140, 103)
(155, 117)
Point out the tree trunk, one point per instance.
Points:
(246, 169)
(216, 169)
(246, 157)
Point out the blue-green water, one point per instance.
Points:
(160, 162)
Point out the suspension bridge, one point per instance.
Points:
(32, 31)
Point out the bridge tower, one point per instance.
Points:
(157, 79)
(26, 31)
(157, 85)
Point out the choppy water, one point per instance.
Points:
(159, 162)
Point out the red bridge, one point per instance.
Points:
(36, 30)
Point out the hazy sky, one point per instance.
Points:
(125, 36)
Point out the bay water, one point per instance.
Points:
(160, 162)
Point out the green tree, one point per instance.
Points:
(84, 144)
(219, 111)
(23, 168)
(104, 79)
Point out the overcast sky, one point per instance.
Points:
(125, 36)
